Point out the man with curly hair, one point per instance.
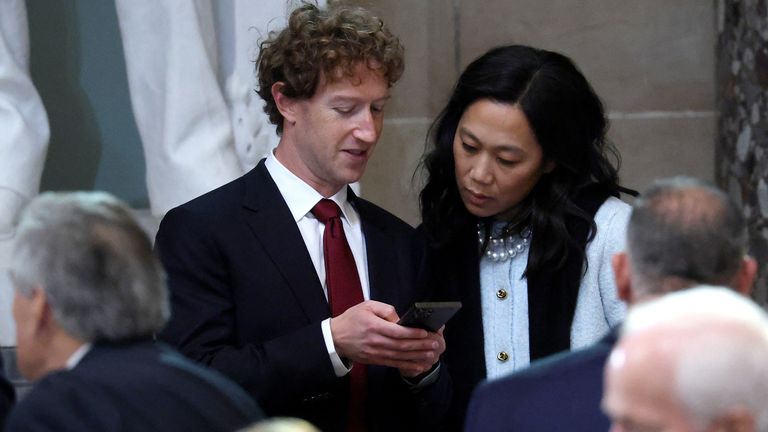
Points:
(286, 281)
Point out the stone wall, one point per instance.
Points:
(742, 100)
(651, 61)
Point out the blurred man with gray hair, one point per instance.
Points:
(682, 232)
(691, 361)
(89, 295)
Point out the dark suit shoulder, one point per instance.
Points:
(201, 216)
(134, 387)
(215, 380)
(58, 403)
(386, 221)
(562, 364)
(146, 366)
(560, 370)
(225, 197)
(568, 384)
(206, 214)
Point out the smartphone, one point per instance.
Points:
(429, 316)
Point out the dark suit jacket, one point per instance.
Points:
(558, 393)
(136, 386)
(7, 394)
(247, 301)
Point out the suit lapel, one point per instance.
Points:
(271, 222)
(383, 273)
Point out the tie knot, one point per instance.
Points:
(326, 210)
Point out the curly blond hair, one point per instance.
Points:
(324, 42)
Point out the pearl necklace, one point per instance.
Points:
(503, 248)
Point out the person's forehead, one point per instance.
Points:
(643, 368)
(640, 396)
(647, 383)
(360, 80)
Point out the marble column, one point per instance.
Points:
(742, 100)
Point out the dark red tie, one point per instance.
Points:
(344, 291)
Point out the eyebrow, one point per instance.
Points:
(503, 147)
(343, 98)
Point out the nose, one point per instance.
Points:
(367, 129)
(481, 171)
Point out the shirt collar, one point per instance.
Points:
(298, 195)
(78, 355)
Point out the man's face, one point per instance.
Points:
(640, 393)
(29, 353)
(336, 130)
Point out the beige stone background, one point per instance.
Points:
(651, 62)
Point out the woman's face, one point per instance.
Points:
(498, 160)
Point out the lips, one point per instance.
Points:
(475, 198)
(355, 154)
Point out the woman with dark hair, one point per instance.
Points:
(521, 215)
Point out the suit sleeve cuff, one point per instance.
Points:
(421, 381)
(338, 365)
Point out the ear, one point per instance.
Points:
(745, 277)
(286, 105)
(734, 420)
(621, 273)
(42, 315)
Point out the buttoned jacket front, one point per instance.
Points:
(247, 301)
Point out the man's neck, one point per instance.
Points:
(301, 171)
(60, 350)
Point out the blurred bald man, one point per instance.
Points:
(691, 361)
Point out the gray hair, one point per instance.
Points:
(94, 263)
(720, 348)
(684, 231)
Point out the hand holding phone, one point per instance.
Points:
(429, 316)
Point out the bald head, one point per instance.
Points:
(640, 393)
(688, 361)
(683, 232)
(281, 424)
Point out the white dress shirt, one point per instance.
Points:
(301, 198)
(76, 356)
